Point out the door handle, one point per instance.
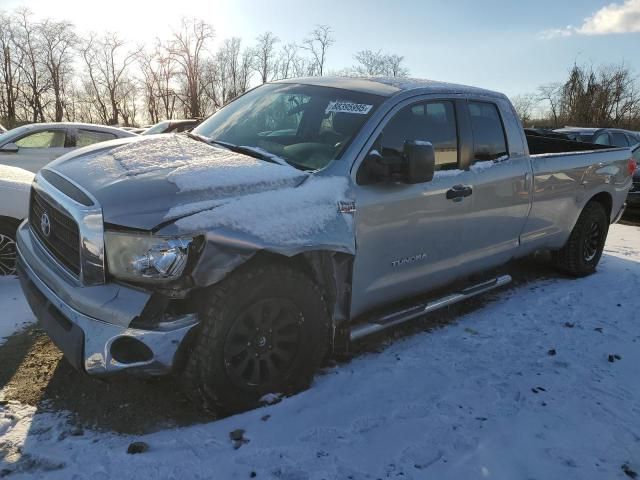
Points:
(459, 191)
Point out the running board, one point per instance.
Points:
(396, 318)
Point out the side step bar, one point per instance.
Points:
(396, 318)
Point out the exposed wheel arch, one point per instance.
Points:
(605, 199)
(330, 270)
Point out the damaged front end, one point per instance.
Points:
(139, 316)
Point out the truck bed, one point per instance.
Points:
(540, 145)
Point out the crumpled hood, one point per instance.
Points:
(143, 182)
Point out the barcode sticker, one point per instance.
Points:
(348, 107)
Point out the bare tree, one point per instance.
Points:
(395, 67)
(9, 70)
(524, 106)
(375, 64)
(286, 61)
(318, 43)
(265, 56)
(551, 93)
(187, 47)
(108, 65)
(58, 39)
(158, 70)
(35, 82)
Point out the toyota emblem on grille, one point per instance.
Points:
(45, 224)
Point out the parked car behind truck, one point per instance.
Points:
(15, 184)
(301, 217)
(31, 147)
(602, 136)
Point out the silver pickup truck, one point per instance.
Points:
(303, 216)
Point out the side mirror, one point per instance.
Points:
(9, 148)
(378, 168)
(421, 161)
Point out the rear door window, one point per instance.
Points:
(619, 139)
(89, 137)
(43, 139)
(489, 141)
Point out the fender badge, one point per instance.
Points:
(347, 207)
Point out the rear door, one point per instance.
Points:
(409, 238)
(87, 136)
(502, 173)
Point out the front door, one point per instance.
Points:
(409, 238)
(36, 149)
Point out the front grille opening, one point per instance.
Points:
(62, 237)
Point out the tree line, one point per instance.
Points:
(591, 96)
(49, 72)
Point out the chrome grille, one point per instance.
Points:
(63, 238)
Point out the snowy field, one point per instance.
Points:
(541, 383)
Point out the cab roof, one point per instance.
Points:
(389, 86)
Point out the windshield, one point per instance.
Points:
(307, 126)
(579, 137)
(157, 128)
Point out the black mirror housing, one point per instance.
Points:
(421, 161)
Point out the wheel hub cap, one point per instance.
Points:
(262, 344)
(7, 255)
(592, 242)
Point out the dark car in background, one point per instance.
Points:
(172, 126)
(602, 136)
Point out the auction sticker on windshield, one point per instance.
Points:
(338, 106)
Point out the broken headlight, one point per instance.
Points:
(140, 257)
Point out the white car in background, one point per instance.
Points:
(15, 184)
(31, 147)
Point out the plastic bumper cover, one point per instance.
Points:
(85, 340)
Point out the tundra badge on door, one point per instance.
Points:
(412, 259)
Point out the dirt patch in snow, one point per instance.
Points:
(35, 373)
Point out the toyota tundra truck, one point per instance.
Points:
(301, 217)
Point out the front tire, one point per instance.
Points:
(262, 330)
(582, 252)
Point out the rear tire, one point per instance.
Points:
(262, 330)
(582, 252)
(8, 252)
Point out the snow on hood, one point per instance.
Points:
(291, 215)
(195, 165)
(14, 177)
(139, 181)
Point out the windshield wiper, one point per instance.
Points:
(254, 152)
(195, 136)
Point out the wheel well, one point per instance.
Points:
(10, 221)
(331, 271)
(604, 199)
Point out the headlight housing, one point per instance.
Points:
(140, 257)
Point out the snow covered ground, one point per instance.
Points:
(14, 311)
(541, 383)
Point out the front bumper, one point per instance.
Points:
(89, 323)
(633, 201)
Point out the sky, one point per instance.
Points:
(509, 46)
